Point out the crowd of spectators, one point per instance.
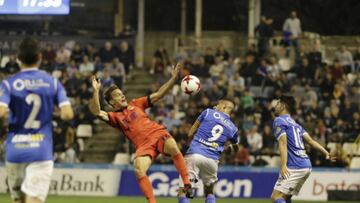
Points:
(327, 93)
(327, 96)
(74, 66)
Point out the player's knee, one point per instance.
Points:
(139, 171)
(171, 147)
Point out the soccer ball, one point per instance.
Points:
(190, 85)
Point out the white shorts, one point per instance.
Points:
(33, 178)
(293, 184)
(200, 167)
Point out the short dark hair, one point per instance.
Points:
(289, 102)
(29, 51)
(108, 92)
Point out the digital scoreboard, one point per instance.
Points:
(35, 7)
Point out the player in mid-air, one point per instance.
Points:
(30, 96)
(295, 166)
(209, 134)
(148, 137)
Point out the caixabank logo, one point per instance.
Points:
(92, 182)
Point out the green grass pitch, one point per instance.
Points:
(65, 199)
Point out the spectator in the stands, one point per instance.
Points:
(62, 57)
(199, 68)
(72, 69)
(242, 156)
(310, 96)
(77, 54)
(341, 155)
(128, 31)
(11, 67)
(181, 54)
(217, 69)
(327, 86)
(47, 66)
(86, 67)
(264, 32)
(159, 61)
(209, 56)
(354, 126)
(49, 54)
(117, 72)
(347, 110)
(126, 56)
(357, 60)
(337, 70)
(345, 58)
(305, 73)
(292, 25)
(300, 55)
(162, 54)
(237, 83)
(315, 57)
(268, 139)
(338, 94)
(171, 120)
(274, 72)
(222, 53)
(255, 140)
(107, 53)
(106, 80)
(98, 65)
(90, 51)
(248, 69)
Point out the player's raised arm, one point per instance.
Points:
(156, 96)
(193, 129)
(283, 156)
(94, 104)
(318, 146)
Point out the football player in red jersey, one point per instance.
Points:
(148, 137)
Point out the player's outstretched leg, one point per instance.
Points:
(209, 193)
(171, 148)
(141, 166)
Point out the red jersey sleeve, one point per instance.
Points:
(142, 102)
(112, 119)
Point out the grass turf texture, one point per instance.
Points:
(67, 199)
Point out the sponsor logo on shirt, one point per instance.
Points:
(223, 120)
(20, 84)
(213, 145)
(301, 153)
(27, 138)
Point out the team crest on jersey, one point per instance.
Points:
(278, 129)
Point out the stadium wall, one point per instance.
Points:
(234, 182)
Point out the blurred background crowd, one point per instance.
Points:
(327, 91)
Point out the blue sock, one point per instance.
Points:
(280, 200)
(210, 199)
(288, 200)
(183, 199)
